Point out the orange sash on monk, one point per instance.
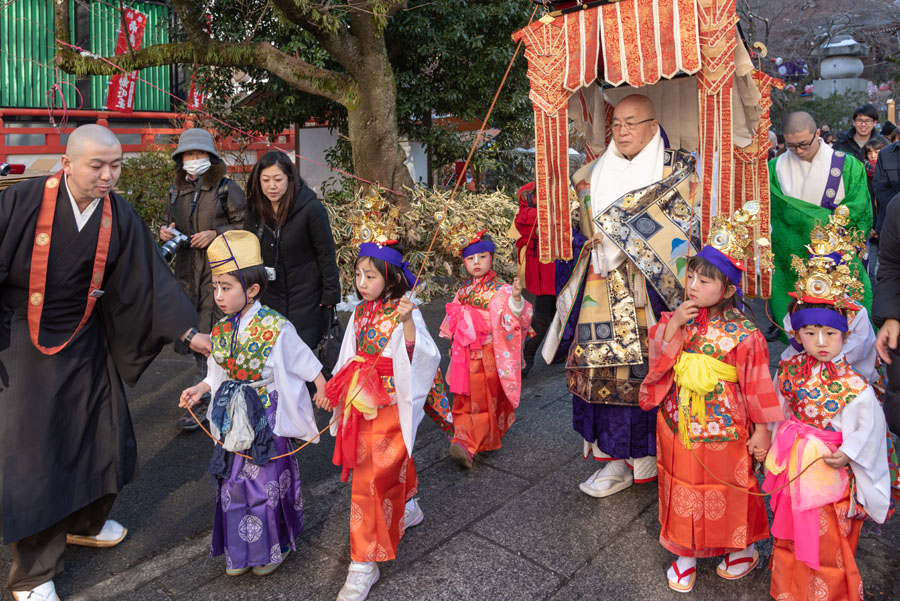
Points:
(40, 256)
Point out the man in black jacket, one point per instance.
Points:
(865, 118)
(886, 180)
(886, 311)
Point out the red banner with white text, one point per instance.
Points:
(121, 85)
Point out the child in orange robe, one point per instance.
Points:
(488, 322)
(833, 413)
(384, 375)
(709, 368)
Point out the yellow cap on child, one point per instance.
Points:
(233, 250)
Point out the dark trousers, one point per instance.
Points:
(36, 559)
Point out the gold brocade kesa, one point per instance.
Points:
(375, 223)
(826, 274)
(734, 236)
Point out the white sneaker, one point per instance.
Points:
(44, 592)
(612, 478)
(360, 578)
(645, 469)
(413, 514)
(110, 535)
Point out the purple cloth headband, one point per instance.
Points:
(817, 316)
(388, 255)
(731, 271)
(482, 246)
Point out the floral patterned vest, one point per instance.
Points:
(374, 323)
(252, 349)
(817, 400)
(723, 334)
(479, 295)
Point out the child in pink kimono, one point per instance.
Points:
(487, 322)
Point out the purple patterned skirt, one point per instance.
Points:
(259, 509)
(620, 431)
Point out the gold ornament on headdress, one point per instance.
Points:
(820, 276)
(734, 236)
(457, 234)
(373, 223)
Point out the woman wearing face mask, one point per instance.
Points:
(297, 245)
(203, 203)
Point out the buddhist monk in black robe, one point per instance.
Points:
(86, 303)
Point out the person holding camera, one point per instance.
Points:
(297, 246)
(203, 203)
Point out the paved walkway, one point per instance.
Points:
(516, 527)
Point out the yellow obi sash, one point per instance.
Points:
(696, 375)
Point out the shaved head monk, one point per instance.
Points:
(807, 183)
(606, 359)
(87, 302)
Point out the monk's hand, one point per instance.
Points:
(165, 234)
(596, 239)
(887, 339)
(191, 396)
(837, 460)
(404, 309)
(201, 343)
(203, 239)
(517, 290)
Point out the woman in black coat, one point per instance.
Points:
(297, 245)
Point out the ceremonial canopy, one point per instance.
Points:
(686, 56)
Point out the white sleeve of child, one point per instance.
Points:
(413, 379)
(862, 425)
(215, 375)
(516, 307)
(293, 365)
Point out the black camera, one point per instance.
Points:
(171, 247)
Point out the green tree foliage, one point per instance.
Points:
(145, 183)
(448, 60)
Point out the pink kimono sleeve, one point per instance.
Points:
(508, 333)
(663, 355)
(756, 387)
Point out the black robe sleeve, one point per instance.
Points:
(143, 305)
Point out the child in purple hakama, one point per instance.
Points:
(257, 376)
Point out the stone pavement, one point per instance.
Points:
(516, 527)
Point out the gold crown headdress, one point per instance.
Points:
(826, 276)
(456, 234)
(733, 237)
(373, 223)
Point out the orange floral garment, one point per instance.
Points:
(699, 516)
(837, 578)
(384, 477)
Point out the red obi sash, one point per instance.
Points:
(358, 389)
